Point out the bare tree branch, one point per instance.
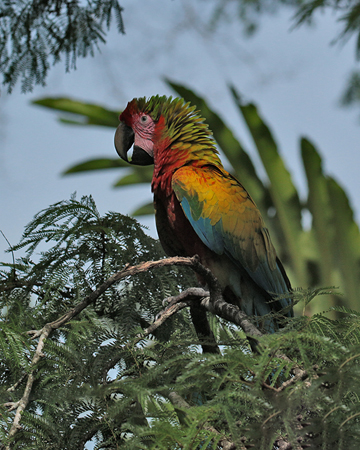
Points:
(25, 398)
(14, 386)
(233, 314)
(162, 317)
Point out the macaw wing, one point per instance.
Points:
(228, 222)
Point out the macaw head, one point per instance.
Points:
(151, 126)
(136, 129)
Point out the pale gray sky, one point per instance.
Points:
(295, 78)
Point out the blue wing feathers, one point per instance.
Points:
(214, 237)
(228, 223)
(206, 232)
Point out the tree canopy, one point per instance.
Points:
(97, 345)
(35, 34)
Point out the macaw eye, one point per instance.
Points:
(144, 119)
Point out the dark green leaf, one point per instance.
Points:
(97, 164)
(282, 189)
(88, 113)
(138, 175)
(346, 242)
(144, 210)
(322, 219)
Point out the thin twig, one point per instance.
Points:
(14, 386)
(25, 398)
(299, 375)
(162, 317)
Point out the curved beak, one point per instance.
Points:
(124, 139)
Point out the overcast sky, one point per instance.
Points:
(295, 78)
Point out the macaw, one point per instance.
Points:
(200, 208)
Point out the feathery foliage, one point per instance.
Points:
(248, 13)
(98, 379)
(36, 33)
(32, 32)
(79, 251)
